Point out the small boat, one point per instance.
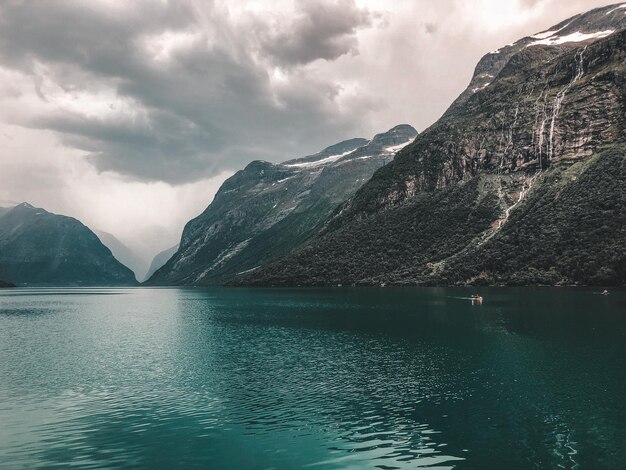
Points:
(477, 299)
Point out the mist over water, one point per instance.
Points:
(325, 378)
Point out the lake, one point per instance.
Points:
(318, 378)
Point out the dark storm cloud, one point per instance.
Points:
(321, 30)
(166, 144)
(191, 92)
(82, 33)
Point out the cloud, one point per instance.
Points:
(177, 91)
(147, 216)
(320, 30)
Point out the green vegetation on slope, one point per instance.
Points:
(521, 182)
(41, 248)
(570, 230)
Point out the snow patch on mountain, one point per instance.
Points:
(397, 148)
(482, 87)
(285, 179)
(573, 37)
(622, 6)
(365, 157)
(315, 163)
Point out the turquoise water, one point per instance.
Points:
(353, 378)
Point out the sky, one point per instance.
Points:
(130, 115)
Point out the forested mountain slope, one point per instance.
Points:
(41, 248)
(520, 182)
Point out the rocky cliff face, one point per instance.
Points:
(594, 24)
(40, 248)
(535, 141)
(265, 210)
(547, 104)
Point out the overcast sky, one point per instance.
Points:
(129, 115)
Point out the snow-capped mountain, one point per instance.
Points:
(265, 210)
(567, 35)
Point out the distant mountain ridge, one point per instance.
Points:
(41, 248)
(265, 210)
(123, 254)
(521, 182)
(160, 259)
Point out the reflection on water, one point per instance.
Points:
(375, 378)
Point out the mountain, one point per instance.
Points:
(521, 182)
(160, 259)
(265, 210)
(567, 35)
(41, 248)
(123, 254)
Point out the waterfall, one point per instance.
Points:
(544, 131)
(558, 100)
(526, 187)
(540, 113)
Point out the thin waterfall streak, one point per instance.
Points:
(560, 96)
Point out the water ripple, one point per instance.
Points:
(288, 379)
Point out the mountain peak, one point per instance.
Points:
(38, 247)
(26, 208)
(403, 128)
(345, 146)
(396, 135)
(258, 165)
(581, 29)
